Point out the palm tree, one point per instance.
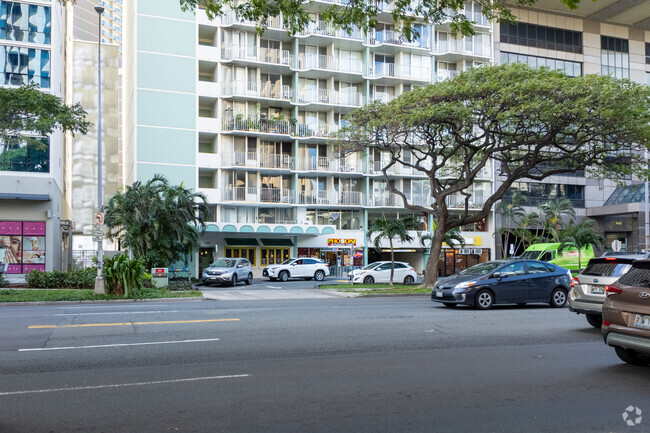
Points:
(157, 222)
(522, 232)
(511, 210)
(450, 236)
(391, 229)
(581, 236)
(553, 211)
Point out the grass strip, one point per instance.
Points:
(378, 288)
(46, 295)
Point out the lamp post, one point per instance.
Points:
(99, 280)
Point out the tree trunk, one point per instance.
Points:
(392, 261)
(431, 273)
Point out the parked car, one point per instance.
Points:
(505, 282)
(228, 271)
(588, 292)
(301, 267)
(379, 272)
(626, 315)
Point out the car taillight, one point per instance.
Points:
(574, 281)
(606, 323)
(613, 290)
(327, 265)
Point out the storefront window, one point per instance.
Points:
(22, 246)
(273, 256)
(247, 253)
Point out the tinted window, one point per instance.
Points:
(638, 277)
(610, 269)
(514, 269)
(384, 267)
(298, 262)
(309, 261)
(399, 265)
(537, 268)
(548, 256)
(528, 255)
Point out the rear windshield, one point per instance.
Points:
(529, 255)
(637, 277)
(611, 269)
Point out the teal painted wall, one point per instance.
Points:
(166, 145)
(174, 173)
(178, 37)
(163, 8)
(172, 110)
(157, 71)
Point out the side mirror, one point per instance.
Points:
(499, 275)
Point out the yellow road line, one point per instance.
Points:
(129, 323)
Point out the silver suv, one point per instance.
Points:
(228, 271)
(588, 292)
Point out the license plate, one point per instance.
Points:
(439, 294)
(641, 321)
(596, 290)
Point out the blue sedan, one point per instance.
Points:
(505, 282)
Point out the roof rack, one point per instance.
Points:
(643, 254)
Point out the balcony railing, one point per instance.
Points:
(322, 131)
(231, 123)
(326, 96)
(254, 53)
(318, 61)
(230, 18)
(276, 195)
(240, 193)
(458, 201)
(345, 198)
(277, 160)
(378, 37)
(400, 71)
(394, 200)
(325, 28)
(446, 75)
(256, 89)
(384, 97)
(464, 47)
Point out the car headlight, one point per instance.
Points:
(226, 275)
(462, 287)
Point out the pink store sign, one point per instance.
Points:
(22, 246)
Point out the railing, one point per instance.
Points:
(458, 201)
(320, 61)
(402, 71)
(446, 75)
(250, 124)
(309, 130)
(471, 47)
(325, 28)
(276, 195)
(395, 200)
(385, 98)
(240, 193)
(230, 18)
(345, 198)
(256, 89)
(276, 160)
(325, 96)
(378, 37)
(252, 52)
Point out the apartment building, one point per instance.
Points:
(32, 185)
(248, 121)
(597, 38)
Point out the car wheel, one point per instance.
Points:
(283, 276)
(234, 280)
(595, 320)
(368, 280)
(249, 280)
(558, 298)
(484, 300)
(319, 276)
(449, 305)
(631, 357)
(408, 279)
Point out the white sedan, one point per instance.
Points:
(379, 272)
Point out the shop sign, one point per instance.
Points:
(341, 242)
(160, 277)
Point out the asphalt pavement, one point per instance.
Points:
(398, 364)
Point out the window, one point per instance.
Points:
(532, 35)
(514, 269)
(26, 156)
(572, 69)
(272, 256)
(23, 65)
(542, 192)
(614, 57)
(647, 53)
(25, 23)
(548, 256)
(537, 268)
(22, 246)
(248, 253)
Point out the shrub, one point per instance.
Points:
(123, 275)
(70, 279)
(4, 282)
(179, 285)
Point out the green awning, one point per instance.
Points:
(242, 242)
(277, 242)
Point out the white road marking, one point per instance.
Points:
(40, 349)
(116, 312)
(273, 287)
(121, 385)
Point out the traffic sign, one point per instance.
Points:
(98, 218)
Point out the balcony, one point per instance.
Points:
(394, 200)
(324, 163)
(458, 202)
(249, 124)
(395, 38)
(456, 49)
(344, 198)
(276, 195)
(256, 160)
(240, 193)
(230, 18)
(326, 96)
(392, 70)
(442, 75)
(325, 28)
(305, 62)
(256, 89)
(280, 161)
(315, 131)
(255, 54)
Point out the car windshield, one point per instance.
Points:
(371, 265)
(224, 263)
(481, 269)
(529, 255)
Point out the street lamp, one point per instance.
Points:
(99, 280)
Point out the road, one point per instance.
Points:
(398, 364)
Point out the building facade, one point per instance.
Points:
(32, 176)
(248, 121)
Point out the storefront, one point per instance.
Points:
(454, 260)
(22, 246)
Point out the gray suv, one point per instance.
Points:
(588, 288)
(228, 271)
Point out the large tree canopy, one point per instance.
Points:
(530, 123)
(363, 14)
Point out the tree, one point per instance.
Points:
(159, 223)
(581, 236)
(554, 210)
(27, 115)
(389, 230)
(522, 230)
(531, 123)
(363, 14)
(511, 210)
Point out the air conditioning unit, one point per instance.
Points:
(465, 251)
(478, 251)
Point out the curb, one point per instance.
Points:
(99, 301)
